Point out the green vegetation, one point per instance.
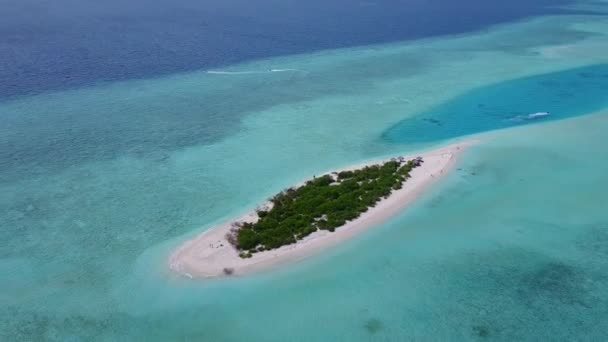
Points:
(325, 202)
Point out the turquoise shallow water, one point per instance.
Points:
(511, 246)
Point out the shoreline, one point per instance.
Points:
(209, 254)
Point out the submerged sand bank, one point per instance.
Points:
(209, 254)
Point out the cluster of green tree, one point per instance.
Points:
(322, 203)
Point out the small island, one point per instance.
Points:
(313, 215)
(323, 203)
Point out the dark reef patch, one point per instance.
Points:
(554, 281)
(481, 331)
(509, 293)
(373, 325)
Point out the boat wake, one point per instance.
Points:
(532, 116)
(248, 72)
(537, 115)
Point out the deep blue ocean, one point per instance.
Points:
(70, 43)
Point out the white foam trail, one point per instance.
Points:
(537, 115)
(247, 72)
(232, 72)
(531, 116)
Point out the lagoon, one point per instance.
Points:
(539, 98)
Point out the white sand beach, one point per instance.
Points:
(210, 255)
